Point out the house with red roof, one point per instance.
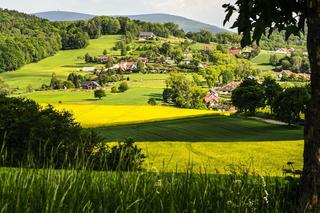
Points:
(211, 99)
(234, 52)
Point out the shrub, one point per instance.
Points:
(32, 132)
(99, 93)
(152, 101)
(115, 89)
(123, 87)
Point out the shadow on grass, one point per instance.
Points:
(157, 96)
(210, 128)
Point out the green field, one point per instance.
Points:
(170, 137)
(62, 64)
(262, 60)
(213, 143)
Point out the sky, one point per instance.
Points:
(207, 11)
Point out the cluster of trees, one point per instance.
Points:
(183, 93)
(227, 68)
(25, 39)
(296, 62)
(285, 104)
(38, 137)
(122, 87)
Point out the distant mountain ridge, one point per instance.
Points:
(188, 25)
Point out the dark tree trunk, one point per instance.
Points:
(311, 170)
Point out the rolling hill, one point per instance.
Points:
(188, 25)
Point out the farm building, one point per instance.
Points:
(90, 85)
(88, 69)
(211, 99)
(104, 58)
(289, 74)
(146, 35)
(186, 61)
(234, 52)
(284, 50)
(228, 89)
(143, 59)
(126, 66)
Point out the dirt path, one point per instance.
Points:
(270, 121)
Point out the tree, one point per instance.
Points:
(291, 103)
(274, 60)
(152, 101)
(4, 88)
(140, 66)
(123, 86)
(105, 52)
(249, 96)
(99, 93)
(272, 91)
(254, 17)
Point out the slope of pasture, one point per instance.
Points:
(262, 60)
(141, 88)
(213, 143)
(62, 64)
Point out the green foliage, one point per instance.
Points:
(140, 66)
(74, 38)
(115, 89)
(83, 191)
(152, 101)
(46, 136)
(123, 86)
(274, 60)
(4, 88)
(183, 92)
(249, 96)
(25, 39)
(289, 104)
(75, 79)
(99, 93)
(272, 91)
(203, 37)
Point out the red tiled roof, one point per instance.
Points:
(235, 52)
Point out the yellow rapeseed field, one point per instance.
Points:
(107, 115)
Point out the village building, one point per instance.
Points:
(290, 73)
(127, 67)
(211, 99)
(90, 85)
(186, 61)
(234, 52)
(146, 35)
(230, 87)
(207, 47)
(170, 61)
(143, 59)
(284, 50)
(104, 58)
(88, 69)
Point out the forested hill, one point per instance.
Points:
(25, 39)
(63, 16)
(188, 25)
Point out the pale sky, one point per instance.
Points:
(207, 11)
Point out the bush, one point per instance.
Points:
(115, 89)
(99, 93)
(152, 101)
(123, 87)
(32, 132)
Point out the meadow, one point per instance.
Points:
(62, 64)
(262, 60)
(171, 137)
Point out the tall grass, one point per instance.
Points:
(48, 190)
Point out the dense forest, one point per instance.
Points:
(25, 39)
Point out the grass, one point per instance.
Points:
(62, 64)
(262, 60)
(207, 128)
(23, 190)
(213, 143)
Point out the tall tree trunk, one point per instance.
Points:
(311, 170)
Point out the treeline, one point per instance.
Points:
(25, 39)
